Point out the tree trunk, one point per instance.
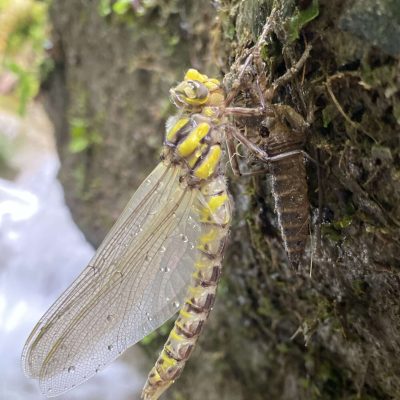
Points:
(331, 330)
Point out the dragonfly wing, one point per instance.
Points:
(135, 282)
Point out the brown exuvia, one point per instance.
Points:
(289, 181)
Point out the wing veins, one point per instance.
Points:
(167, 228)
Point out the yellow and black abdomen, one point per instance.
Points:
(194, 145)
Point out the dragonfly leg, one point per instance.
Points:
(248, 112)
(262, 171)
(233, 157)
(232, 153)
(256, 150)
(295, 121)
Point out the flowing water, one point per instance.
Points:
(41, 252)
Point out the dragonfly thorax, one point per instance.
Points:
(194, 142)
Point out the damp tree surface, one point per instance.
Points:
(330, 330)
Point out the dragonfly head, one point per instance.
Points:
(197, 91)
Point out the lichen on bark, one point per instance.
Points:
(274, 333)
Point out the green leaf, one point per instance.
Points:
(300, 19)
(343, 223)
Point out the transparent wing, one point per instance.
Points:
(135, 282)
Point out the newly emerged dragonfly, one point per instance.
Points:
(163, 254)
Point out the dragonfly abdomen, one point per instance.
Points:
(214, 214)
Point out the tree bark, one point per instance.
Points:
(327, 333)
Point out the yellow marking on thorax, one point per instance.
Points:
(209, 112)
(212, 206)
(192, 141)
(196, 155)
(209, 164)
(170, 136)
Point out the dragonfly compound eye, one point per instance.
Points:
(189, 93)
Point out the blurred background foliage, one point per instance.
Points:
(23, 41)
(24, 62)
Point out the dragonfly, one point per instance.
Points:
(163, 254)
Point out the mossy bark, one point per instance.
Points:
(274, 333)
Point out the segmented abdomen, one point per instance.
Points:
(214, 215)
(289, 189)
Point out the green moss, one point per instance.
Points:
(324, 309)
(384, 76)
(266, 308)
(343, 222)
(81, 137)
(125, 8)
(359, 287)
(329, 113)
(309, 386)
(283, 348)
(332, 380)
(331, 233)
